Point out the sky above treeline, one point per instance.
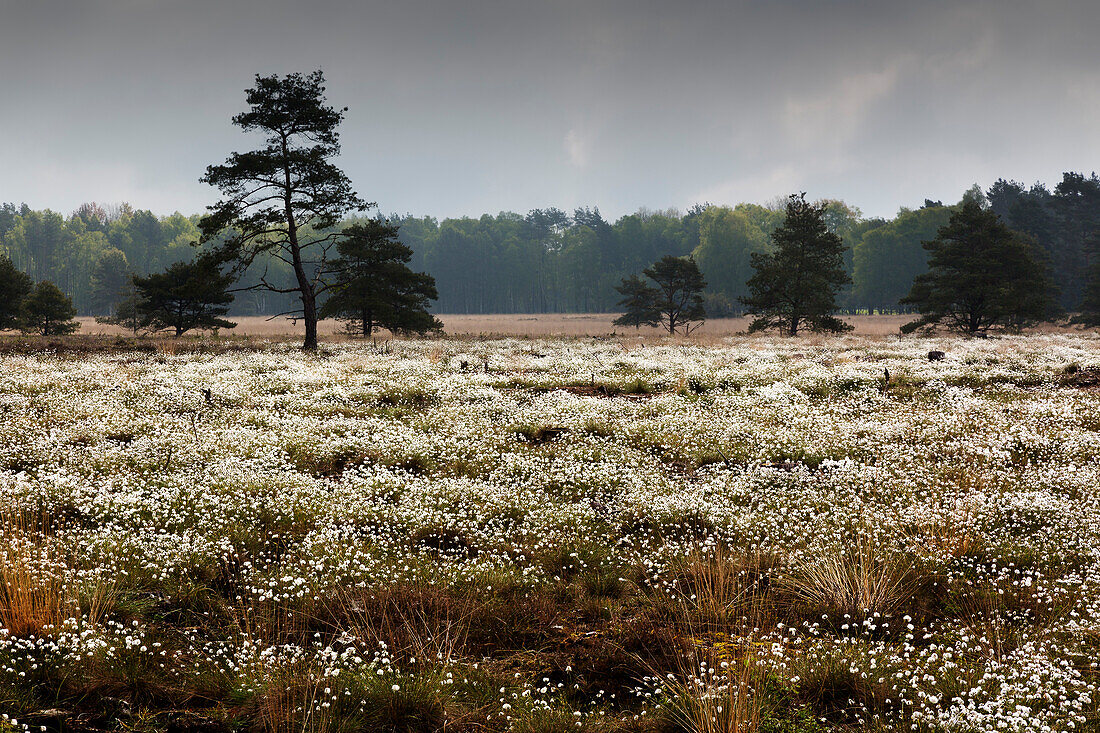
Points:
(462, 108)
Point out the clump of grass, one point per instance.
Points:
(31, 596)
(689, 526)
(444, 541)
(410, 397)
(566, 561)
(638, 386)
(831, 684)
(334, 465)
(717, 587)
(445, 623)
(301, 697)
(789, 458)
(538, 434)
(555, 720)
(599, 428)
(603, 582)
(35, 593)
(855, 580)
(714, 690)
(405, 704)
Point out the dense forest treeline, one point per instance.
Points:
(552, 261)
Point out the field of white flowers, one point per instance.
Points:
(547, 535)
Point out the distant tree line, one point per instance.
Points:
(982, 276)
(291, 233)
(551, 261)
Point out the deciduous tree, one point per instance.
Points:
(889, 256)
(110, 274)
(727, 238)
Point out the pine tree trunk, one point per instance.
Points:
(309, 315)
(305, 287)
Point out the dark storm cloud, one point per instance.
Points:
(463, 108)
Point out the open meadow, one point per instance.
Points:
(549, 534)
(517, 324)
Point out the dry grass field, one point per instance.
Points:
(519, 324)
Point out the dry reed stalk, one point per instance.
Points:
(37, 592)
(432, 631)
(286, 702)
(32, 595)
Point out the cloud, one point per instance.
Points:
(762, 187)
(578, 146)
(494, 104)
(837, 114)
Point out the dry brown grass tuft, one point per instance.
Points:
(440, 624)
(859, 579)
(950, 537)
(37, 593)
(718, 588)
(433, 628)
(716, 689)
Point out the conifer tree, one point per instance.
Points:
(638, 303)
(796, 285)
(15, 286)
(186, 296)
(981, 276)
(110, 275)
(373, 287)
(679, 300)
(48, 311)
(283, 200)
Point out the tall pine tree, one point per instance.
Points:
(284, 199)
(982, 276)
(796, 285)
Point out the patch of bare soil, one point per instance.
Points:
(1082, 378)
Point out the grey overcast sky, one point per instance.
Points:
(461, 108)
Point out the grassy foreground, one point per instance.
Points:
(552, 535)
